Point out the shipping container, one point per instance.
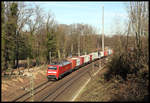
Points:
(95, 55)
(81, 60)
(73, 61)
(86, 58)
(90, 57)
(105, 53)
(102, 53)
(109, 52)
(77, 61)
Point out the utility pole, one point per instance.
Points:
(79, 45)
(103, 28)
(31, 82)
(31, 87)
(72, 49)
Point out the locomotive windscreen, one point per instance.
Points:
(52, 68)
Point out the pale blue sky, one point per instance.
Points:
(87, 13)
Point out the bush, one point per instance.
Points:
(132, 74)
(133, 89)
(117, 66)
(124, 63)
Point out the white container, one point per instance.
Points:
(77, 61)
(94, 55)
(109, 51)
(99, 54)
(86, 58)
(102, 54)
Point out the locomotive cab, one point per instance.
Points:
(57, 70)
(52, 72)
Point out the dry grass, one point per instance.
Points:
(112, 86)
(132, 89)
(96, 90)
(114, 90)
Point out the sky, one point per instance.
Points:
(87, 13)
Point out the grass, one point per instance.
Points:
(114, 90)
(112, 86)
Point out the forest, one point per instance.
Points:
(29, 34)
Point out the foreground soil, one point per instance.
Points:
(12, 86)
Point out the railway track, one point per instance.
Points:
(61, 86)
(21, 88)
(27, 93)
(61, 83)
(52, 96)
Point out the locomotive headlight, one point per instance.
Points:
(51, 72)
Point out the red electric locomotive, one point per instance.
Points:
(56, 71)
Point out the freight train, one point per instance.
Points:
(58, 70)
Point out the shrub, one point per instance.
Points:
(132, 74)
(117, 66)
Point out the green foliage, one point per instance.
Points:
(51, 45)
(14, 9)
(9, 28)
(2, 11)
(12, 28)
(3, 37)
(24, 49)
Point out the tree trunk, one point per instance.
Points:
(59, 54)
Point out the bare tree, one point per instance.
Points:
(138, 18)
(24, 14)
